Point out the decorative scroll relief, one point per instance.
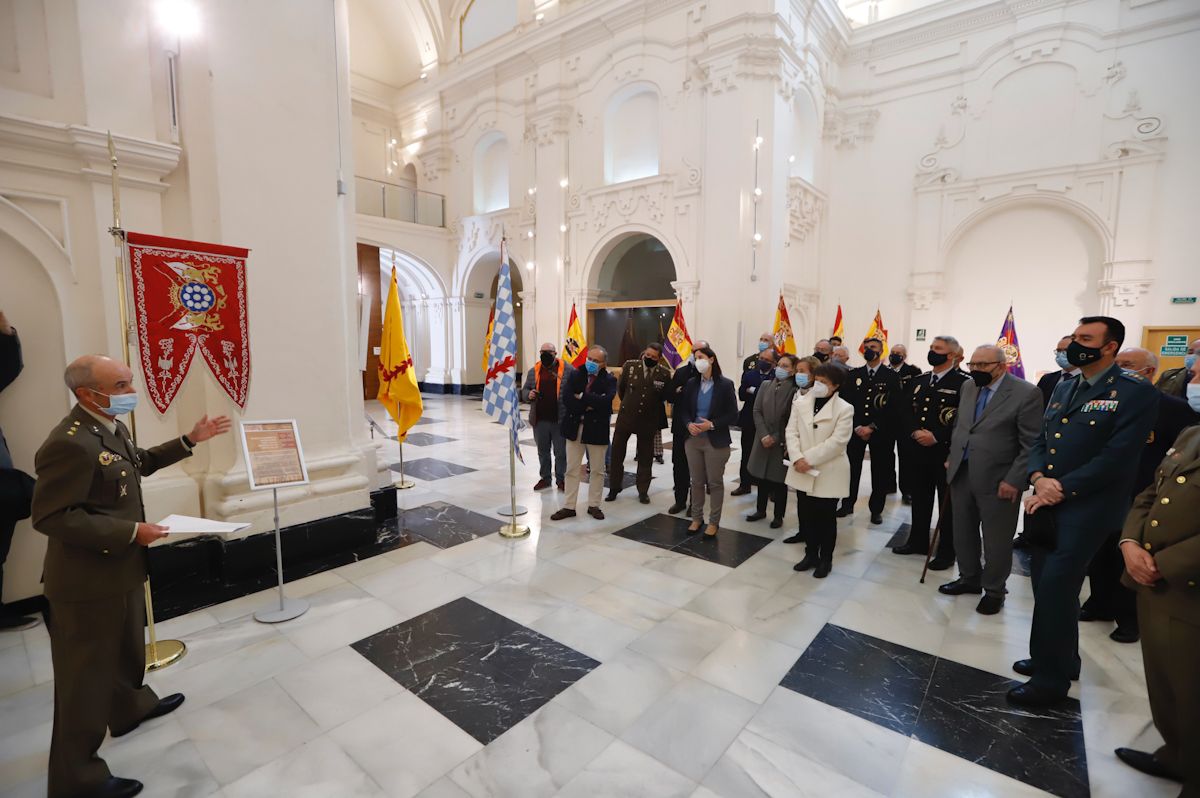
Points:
(848, 128)
(483, 232)
(805, 207)
(931, 167)
(1116, 294)
(921, 298)
(607, 206)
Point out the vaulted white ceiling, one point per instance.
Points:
(392, 40)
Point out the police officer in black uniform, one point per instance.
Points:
(873, 390)
(897, 361)
(927, 410)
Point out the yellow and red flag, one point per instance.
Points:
(398, 391)
(487, 339)
(839, 331)
(877, 331)
(784, 341)
(678, 346)
(575, 348)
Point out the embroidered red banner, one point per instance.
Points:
(187, 296)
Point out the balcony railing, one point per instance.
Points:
(404, 204)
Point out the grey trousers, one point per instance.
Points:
(546, 434)
(998, 519)
(707, 466)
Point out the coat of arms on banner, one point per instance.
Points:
(187, 296)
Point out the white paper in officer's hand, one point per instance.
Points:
(188, 525)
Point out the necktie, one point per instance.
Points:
(981, 402)
(591, 379)
(1081, 385)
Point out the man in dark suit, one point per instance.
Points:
(681, 477)
(1050, 380)
(88, 502)
(1093, 431)
(16, 487)
(873, 390)
(898, 362)
(587, 397)
(763, 370)
(1110, 601)
(642, 390)
(927, 409)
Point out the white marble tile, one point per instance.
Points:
(429, 594)
(733, 603)
(747, 665)
(789, 620)
(216, 679)
(763, 572)
(413, 551)
(15, 672)
(394, 577)
(247, 730)
(693, 569)
(519, 602)
(215, 642)
(556, 580)
(404, 744)
(443, 788)
(598, 562)
(690, 727)
(249, 604)
(361, 620)
(909, 617)
(533, 759)
(41, 661)
(161, 756)
(24, 753)
(184, 626)
(499, 566)
(674, 590)
(463, 554)
(355, 571)
(828, 592)
(337, 687)
(857, 749)
(585, 631)
(631, 609)
(26, 709)
(755, 767)
(616, 694)
(930, 773)
(317, 769)
(682, 640)
(622, 771)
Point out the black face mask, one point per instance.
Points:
(981, 378)
(936, 359)
(649, 363)
(1080, 355)
(895, 359)
(821, 356)
(871, 355)
(765, 365)
(547, 359)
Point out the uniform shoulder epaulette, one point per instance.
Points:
(1133, 377)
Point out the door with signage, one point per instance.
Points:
(1169, 343)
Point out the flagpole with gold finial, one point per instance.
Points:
(159, 653)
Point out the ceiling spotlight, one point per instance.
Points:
(529, 234)
(562, 228)
(538, 17)
(791, 159)
(178, 18)
(424, 76)
(563, 183)
(758, 140)
(531, 191)
(757, 237)
(757, 191)
(529, 264)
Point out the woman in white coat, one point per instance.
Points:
(817, 433)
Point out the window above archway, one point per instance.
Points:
(631, 135)
(491, 173)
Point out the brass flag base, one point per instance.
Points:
(162, 653)
(512, 530)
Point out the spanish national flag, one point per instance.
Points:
(839, 331)
(784, 341)
(877, 331)
(677, 347)
(575, 349)
(398, 390)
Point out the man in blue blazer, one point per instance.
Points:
(1082, 468)
(587, 399)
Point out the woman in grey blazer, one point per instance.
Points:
(772, 407)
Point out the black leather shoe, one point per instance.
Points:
(114, 787)
(1146, 763)
(165, 707)
(611, 497)
(796, 538)
(989, 605)
(1026, 695)
(808, 562)
(643, 498)
(845, 511)
(1089, 615)
(905, 499)
(822, 570)
(17, 623)
(876, 519)
(1020, 542)
(1120, 635)
(756, 516)
(909, 548)
(596, 512)
(941, 563)
(740, 490)
(561, 513)
(959, 588)
(674, 508)
(776, 523)
(1025, 668)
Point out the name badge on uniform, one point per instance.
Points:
(1100, 406)
(950, 391)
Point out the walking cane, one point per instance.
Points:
(937, 533)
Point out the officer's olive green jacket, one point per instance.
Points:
(1165, 520)
(87, 500)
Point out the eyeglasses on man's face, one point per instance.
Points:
(978, 366)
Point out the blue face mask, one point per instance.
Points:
(802, 380)
(1193, 397)
(1061, 359)
(592, 367)
(120, 403)
(781, 373)
(1189, 362)
(762, 346)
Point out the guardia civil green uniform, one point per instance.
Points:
(642, 391)
(88, 501)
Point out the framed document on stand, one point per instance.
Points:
(274, 460)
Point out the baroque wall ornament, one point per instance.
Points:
(848, 128)
(931, 168)
(805, 207)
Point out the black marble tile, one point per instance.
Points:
(445, 525)
(430, 468)
(731, 548)
(901, 536)
(966, 714)
(481, 670)
(876, 680)
(427, 439)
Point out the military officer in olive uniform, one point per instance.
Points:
(643, 388)
(88, 502)
(1161, 547)
(873, 389)
(927, 410)
(1081, 466)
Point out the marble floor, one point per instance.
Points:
(602, 658)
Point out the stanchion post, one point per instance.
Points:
(405, 483)
(512, 529)
(289, 608)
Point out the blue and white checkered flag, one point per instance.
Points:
(500, 399)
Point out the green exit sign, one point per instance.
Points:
(1183, 300)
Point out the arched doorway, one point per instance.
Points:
(479, 293)
(634, 279)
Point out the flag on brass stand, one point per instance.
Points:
(877, 331)
(487, 338)
(838, 330)
(784, 342)
(398, 391)
(1011, 346)
(575, 349)
(678, 346)
(500, 382)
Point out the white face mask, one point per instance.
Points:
(703, 365)
(1193, 396)
(819, 390)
